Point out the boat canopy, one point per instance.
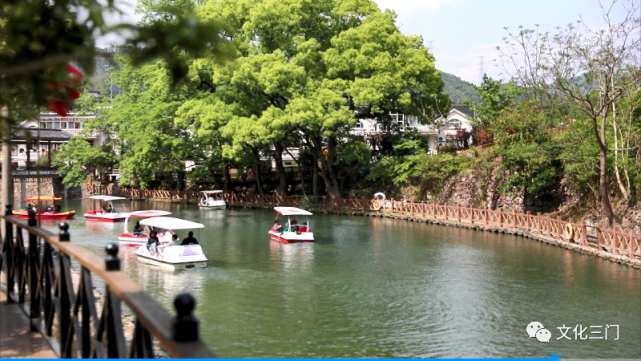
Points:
(107, 198)
(171, 223)
(149, 213)
(216, 191)
(292, 211)
(43, 198)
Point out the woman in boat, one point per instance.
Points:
(58, 208)
(110, 208)
(277, 227)
(152, 243)
(294, 227)
(138, 229)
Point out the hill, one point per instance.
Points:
(458, 89)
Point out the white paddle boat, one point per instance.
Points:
(107, 212)
(169, 254)
(212, 200)
(292, 233)
(132, 239)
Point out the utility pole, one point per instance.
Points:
(111, 86)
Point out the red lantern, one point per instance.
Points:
(70, 87)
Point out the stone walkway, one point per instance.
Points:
(15, 339)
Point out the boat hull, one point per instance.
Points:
(61, 215)
(291, 237)
(104, 217)
(174, 257)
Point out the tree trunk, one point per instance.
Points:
(282, 175)
(227, 188)
(259, 184)
(603, 175)
(325, 166)
(315, 176)
(300, 169)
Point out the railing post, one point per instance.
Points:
(471, 215)
(599, 238)
(185, 327)
(584, 237)
(458, 212)
(501, 217)
(485, 211)
(615, 240)
(559, 232)
(446, 210)
(539, 221)
(527, 220)
(571, 221)
(7, 250)
(363, 203)
(33, 260)
(423, 209)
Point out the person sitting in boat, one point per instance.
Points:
(152, 243)
(203, 200)
(294, 227)
(147, 230)
(110, 208)
(277, 227)
(50, 210)
(104, 208)
(189, 240)
(58, 208)
(303, 228)
(138, 229)
(210, 199)
(33, 206)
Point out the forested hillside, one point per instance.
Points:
(458, 89)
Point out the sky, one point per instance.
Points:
(463, 34)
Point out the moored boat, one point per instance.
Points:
(132, 239)
(44, 214)
(107, 212)
(170, 255)
(292, 232)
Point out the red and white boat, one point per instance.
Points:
(136, 240)
(110, 215)
(43, 214)
(292, 233)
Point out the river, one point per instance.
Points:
(372, 287)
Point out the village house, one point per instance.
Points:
(443, 131)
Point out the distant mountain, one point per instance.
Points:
(458, 89)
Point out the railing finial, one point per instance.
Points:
(112, 262)
(185, 324)
(32, 216)
(64, 232)
(8, 210)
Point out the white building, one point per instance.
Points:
(442, 132)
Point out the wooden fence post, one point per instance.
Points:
(446, 209)
(412, 205)
(423, 209)
(500, 217)
(633, 244)
(527, 220)
(559, 232)
(471, 215)
(458, 212)
(538, 222)
(615, 239)
(485, 215)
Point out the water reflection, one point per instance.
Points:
(298, 256)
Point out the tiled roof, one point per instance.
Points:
(45, 134)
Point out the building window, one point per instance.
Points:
(358, 125)
(63, 125)
(454, 124)
(56, 125)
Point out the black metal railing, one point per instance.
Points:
(39, 279)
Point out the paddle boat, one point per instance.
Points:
(43, 214)
(107, 212)
(136, 240)
(297, 233)
(212, 200)
(169, 255)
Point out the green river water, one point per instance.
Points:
(372, 287)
